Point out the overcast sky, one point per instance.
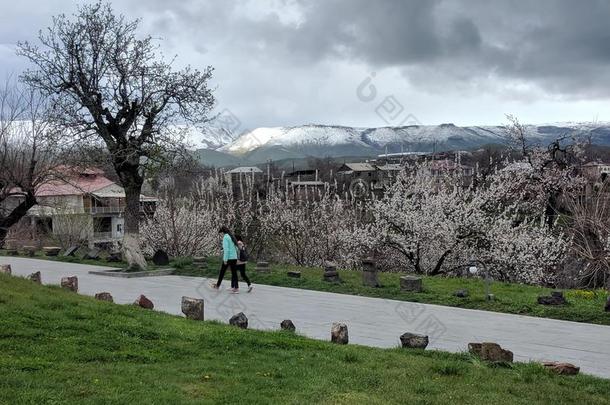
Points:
(373, 63)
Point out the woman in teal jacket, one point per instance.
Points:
(229, 258)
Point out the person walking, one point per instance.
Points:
(242, 260)
(229, 259)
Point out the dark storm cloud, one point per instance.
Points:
(293, 56)
(561, 47)
(387, 32)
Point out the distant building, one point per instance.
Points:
(84, 202)
(402, 157)
(448, 166)
(242, 179)
(596, 171)
(363, 178)
(244, 170)
(304, 184)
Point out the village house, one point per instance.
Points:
(243, 179)
(362, 178)
(304, 184)
(83, 206)
(596, 171)
(596, 175)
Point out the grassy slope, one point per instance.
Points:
(510, 298)
(59, 347)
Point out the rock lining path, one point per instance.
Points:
(371, 321)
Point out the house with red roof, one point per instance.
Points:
(84, 205)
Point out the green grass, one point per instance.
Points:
(59, 347)
(509, 297)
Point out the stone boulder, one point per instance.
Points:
(287, 325)
(294, 274)
(411, 284)
(414, 341)
(161, 258)
(240, 320)
(262, 267)
(561, 368)
(369, 273)
(104, 296)
(30, 251)
(461, 293)
(556, 298)
(330, 273)
(35, 277)
(71, 251)
(70, 283)
(143, 302)
(192, 308)
(6, 269)
(10, 244)
(92, 254)
(51, 251)
(490, 352)
(338, 333)
(114, 257)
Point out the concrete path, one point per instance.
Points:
(371, 321)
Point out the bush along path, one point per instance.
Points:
(60, 347)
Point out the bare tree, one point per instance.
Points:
(554, 168)
(28, 152)
(108, 84)
(589, 228)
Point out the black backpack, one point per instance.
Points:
(243, 254)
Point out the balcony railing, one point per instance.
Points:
(107, 210)
(102, 235)
(117, 209)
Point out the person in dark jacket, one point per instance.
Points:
(242, 260)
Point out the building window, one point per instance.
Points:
(119, 228)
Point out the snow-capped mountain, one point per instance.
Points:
(327, 140)
(210, 137)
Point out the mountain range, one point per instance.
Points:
(220, 147)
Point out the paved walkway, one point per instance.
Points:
(371, 321)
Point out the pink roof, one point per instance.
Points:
(87, 182)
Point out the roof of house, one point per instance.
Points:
(358, 167)
(311, 183)
(306, 172)
(83, 181)
(73, 185)
(403, 154)
(390, 167)
(245, 169)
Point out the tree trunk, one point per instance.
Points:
(551, 210)
(439, 264)
(15, 216)
(132, 183)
